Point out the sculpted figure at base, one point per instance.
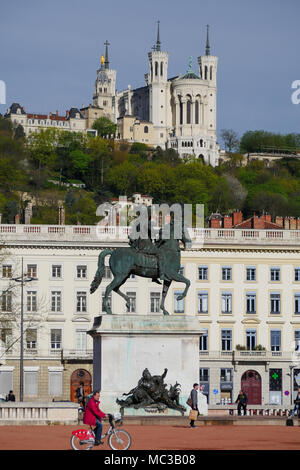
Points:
(151, 394)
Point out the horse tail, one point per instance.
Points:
(100, 271)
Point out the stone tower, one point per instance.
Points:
(208, 72)
(159, 92)
(105, 87)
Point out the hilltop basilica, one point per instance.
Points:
(177, 113)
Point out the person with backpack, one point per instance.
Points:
(80, 395)
(242, 401)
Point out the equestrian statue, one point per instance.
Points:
(158, 260)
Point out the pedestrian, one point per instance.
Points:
(93, 415)
(10, 396)
(242, 401)
(80, 395)
(296, 409)
(194, 404)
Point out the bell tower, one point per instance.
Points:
(105, 86)
(159, 91)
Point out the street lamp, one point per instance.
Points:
(22, 280)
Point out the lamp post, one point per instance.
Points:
(22, 280)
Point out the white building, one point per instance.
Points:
(245, 291)
(182, 109)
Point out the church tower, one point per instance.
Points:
(105, 87)
(159, 92)
(208, 72)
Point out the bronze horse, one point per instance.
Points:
(126, 261)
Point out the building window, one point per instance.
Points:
(251, 273)
(275, 340)
(55, 383)
(297, 303)
(31, 339)
(7, 270)
(250, 339)
(31, 383)
(81, 305)
(226, 340)
(275, 302)
(56, 271)
(204, 382)
(251, 302)
(275, 386)
(297, 274)
(81, 272)
(6, 301)
(226, 273)
(203, 342)
(80, 340)
(226, 302)
(6, 337)
(178, 304)
(203, 302)
(55, 339)
(31, 301)
(146, 129)
(226, 385)
(203, 273)
(56, 301)
(107, 273)
(275, 274)
(132, 302)
(32, 271)
(297, 340)
(154, 302)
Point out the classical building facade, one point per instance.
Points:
(245, 292)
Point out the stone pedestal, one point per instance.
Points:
(124, 345)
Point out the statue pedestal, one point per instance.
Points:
(124, 345)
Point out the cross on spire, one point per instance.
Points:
(106, 62)
(158, 37)
(207, 49)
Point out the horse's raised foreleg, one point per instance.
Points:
(166, 286)
(114, 286)
(180, 278)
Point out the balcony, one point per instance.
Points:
(76, 354)
(98, 234)
(251, 356)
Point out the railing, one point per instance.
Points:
(238, 355)
(39, 413)
(252, 410)
(98, 233)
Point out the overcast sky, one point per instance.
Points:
(50, 51)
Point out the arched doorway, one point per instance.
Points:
(251, 385)
(80, 375)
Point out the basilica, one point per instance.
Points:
(178, 112)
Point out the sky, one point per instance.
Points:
(50, 52)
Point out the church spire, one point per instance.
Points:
(106, 62)
(158, 38)
(207, 49)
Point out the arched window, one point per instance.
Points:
(205, 72)
(188, 111)
(201, 142)
(210, 72)
(161, 69)
(146, 130)
(156, 69)
(181, 112)
(196, 112)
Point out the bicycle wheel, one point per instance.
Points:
(119, 440)
(78, 444)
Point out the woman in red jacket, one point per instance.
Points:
(93, 415)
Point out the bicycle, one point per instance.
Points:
(118, 439)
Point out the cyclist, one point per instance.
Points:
(93, 415)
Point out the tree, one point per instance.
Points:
(99, 152)
(105, 127)
(230, 139)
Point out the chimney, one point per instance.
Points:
(17, 218)
(298, 223)
(268, 217)
(61, 215)
(293, 223)
(286, 223)
(227, 221)
(68, 113)
(0, 218)
(237, 218)
(259, 222)
(215, 221)
(56, 113)
(279, 220)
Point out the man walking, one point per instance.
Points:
(242, 401)
(194, 398)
